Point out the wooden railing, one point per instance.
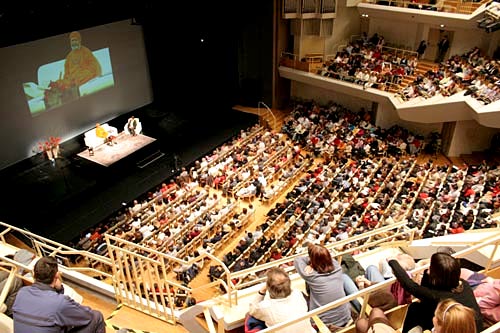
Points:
(308, 64)
(448, 6)
(97, 264)
(132, 281)
(487, 246)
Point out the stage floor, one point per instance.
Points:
(67, 197)
(106, 155)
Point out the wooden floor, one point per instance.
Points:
(124, 317)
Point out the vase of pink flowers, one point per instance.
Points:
(54, 145)
(50, 147)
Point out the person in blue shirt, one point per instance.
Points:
(43, 308)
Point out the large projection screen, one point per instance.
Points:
(40, 99)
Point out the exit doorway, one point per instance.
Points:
(435, 35)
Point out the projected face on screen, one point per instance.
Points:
(82, 72)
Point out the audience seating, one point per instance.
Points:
(330, 198)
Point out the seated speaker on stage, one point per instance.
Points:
(107, 136)
(133, 126)
(100, 134)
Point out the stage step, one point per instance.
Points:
(150, 159)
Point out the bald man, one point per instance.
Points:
(81, 65)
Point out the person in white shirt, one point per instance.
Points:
(277, 302)
(136, 208)
(136, 223)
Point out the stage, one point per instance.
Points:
(59, 200)
(124, 146)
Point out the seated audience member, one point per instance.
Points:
(247, 191)
(376, 323)
(487, 293)
(441, 281)
(323, 275)
(453, 317)
(281, 303)
(398, 292)
(355, 277)
(42, 307)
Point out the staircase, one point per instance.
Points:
(422, 67)
(265, 117)
(197, 319)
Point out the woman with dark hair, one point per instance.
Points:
(440, 282)
(324, 282)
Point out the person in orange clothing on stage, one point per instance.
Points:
(100, 132)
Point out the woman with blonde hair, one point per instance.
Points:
(453, 317)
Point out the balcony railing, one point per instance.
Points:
(448, 6)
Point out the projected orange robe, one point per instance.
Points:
(81, 66)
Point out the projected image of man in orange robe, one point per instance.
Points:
(80, 66)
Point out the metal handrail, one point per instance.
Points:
(365, 293)
(489, 244)
(269, 110)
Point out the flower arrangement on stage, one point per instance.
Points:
(50, 147)
(55, 141)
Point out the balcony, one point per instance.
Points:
(437, 109)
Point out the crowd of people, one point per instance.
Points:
(447, 303)
(367, 62)
(349, 176)
(472, 72)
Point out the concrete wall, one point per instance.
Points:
(469, 136)
(463, 39)
(387, 116)
(386, 28)
(312, 44)
(323, 96)
(345, 25)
